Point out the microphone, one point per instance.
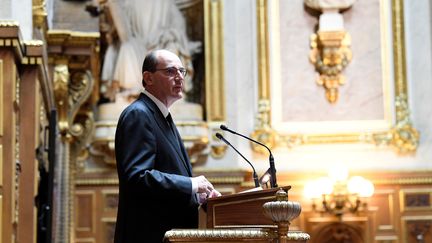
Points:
(272, 169)
(255, 176)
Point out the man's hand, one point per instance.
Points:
(204, 186)
(205, 189)
(214, 193)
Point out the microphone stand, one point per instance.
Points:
(272, 169)
(255, 176)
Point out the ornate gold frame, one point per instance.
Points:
(402, 136)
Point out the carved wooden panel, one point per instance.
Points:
(329, 229)
(85, 213)
(90, 240)
(95, 212)
(383, 201)
(339, 232)
(108, 230)
(110, 200)
(417, 229)
(398, 210)
(9, 142)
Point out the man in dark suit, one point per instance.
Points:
(157, 191)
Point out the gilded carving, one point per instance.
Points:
(80, 88)
(40, 14)
(218, 151)
(217, 148)
(70, 92)
(402, 136)
(61, 78)
(330, 54)
(219, 234)
(263, 131)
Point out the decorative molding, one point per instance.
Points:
(263, 131)
(404, 181)
(31, 58)
(239, 234)
(71, 38)
(263, 50)
(214, 61)
(10, 36)
(28, 52)
(1, 99)
(1, 212)
(97, 182)
(1, 172)
(233, 235)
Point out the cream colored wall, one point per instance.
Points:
(20, 11)
(419, 65)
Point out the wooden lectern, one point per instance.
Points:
(243, 209)
(261, 216)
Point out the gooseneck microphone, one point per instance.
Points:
(255, 176)
(273, 182)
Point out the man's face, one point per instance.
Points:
(166, 83)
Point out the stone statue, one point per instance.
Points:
(141, 26)
(135, 27)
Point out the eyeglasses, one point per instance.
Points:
(172, 71)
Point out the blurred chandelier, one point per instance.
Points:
(339, 194)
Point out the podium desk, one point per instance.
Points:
(244, 209)
(261, 216)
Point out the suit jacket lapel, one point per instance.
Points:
(163, 125)
(183, 150)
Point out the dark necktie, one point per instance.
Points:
(171, 124)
